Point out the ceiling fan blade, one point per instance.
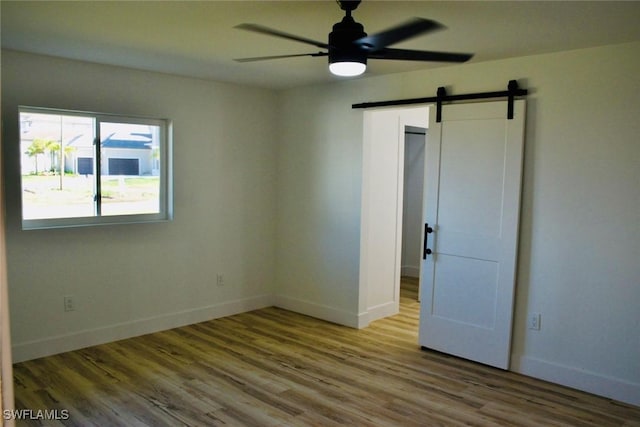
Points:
(266, 58)
(419, 55)
(411, 28)
(271, 32)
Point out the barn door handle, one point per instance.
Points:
(425, 249)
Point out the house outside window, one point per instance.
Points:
(61, 152)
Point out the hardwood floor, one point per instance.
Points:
(272, 367)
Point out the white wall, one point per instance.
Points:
(380, 224)
(133, 279)
(318, 208)
(580, 227)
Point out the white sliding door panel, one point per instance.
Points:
(472, 202)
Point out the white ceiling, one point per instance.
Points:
(197, 39)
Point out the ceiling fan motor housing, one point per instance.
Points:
(341, 42)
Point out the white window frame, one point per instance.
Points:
(166, 174)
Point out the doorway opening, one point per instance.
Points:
(412, 212)
(383, 208)
(473, 172)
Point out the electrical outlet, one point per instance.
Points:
(69, 303)
(534, 321)
(220, 280)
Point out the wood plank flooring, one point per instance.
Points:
(272, 367)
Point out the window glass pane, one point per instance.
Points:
(130, 168)
(57, 165)
(68, 180)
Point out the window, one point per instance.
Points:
(83, 168)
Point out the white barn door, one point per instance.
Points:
(472, 204)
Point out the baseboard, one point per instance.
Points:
(90, 337)
(613, 388)
(318, 311)
(410, 271)
(383, 310)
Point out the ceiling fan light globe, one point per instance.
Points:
(347, 68)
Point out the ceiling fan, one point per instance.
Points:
(349, 47)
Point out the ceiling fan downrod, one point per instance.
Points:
(348, 5)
